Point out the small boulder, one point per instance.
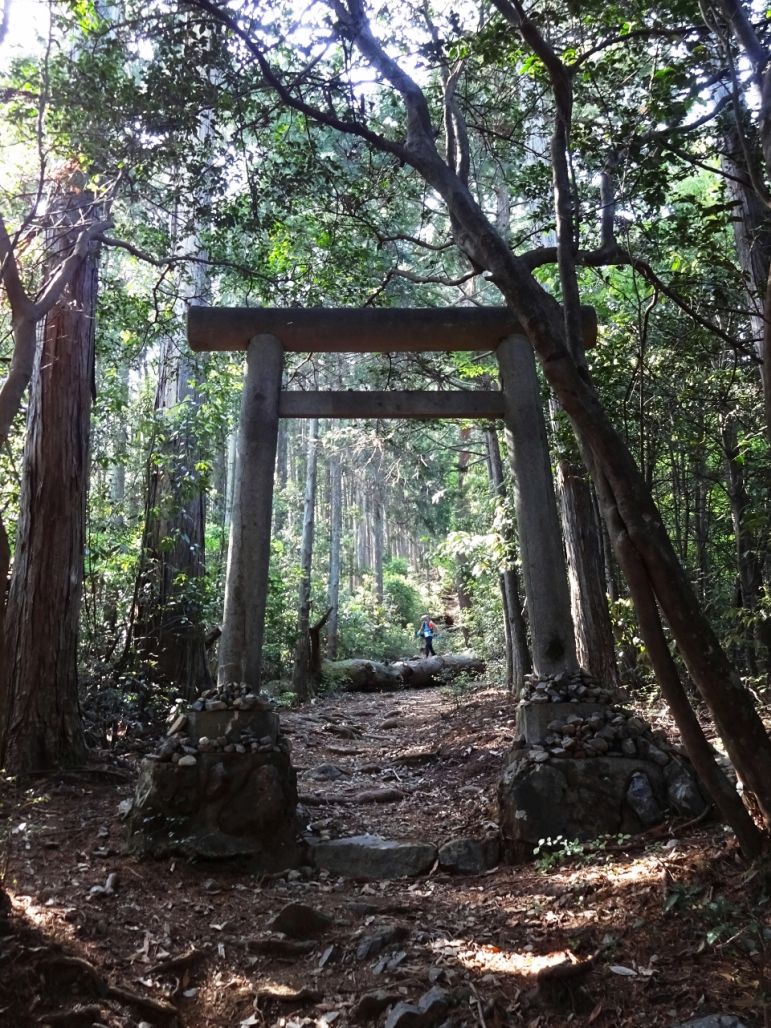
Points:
(376, 941)
(470, 856)
(405, 1015)
(372, 1004)
(640, 797)
(299, 921)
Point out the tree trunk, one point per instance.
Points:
(335, 540)
(230, 480)
(749, 569)
(752, 235)
(168, 631)
(5, 566)
(375, 491)
(518, 657)
(360, 675)
(282, 473)
(588, 600)
(40, 711)
(301, 675)
(314, 636)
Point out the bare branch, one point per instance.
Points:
(285, 93)
(9, 271)
(440, 280)
(565, 206)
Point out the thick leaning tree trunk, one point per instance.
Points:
(40, 712)
(630, 500)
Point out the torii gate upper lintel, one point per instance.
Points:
(267, 333)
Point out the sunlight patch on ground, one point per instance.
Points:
(645, 870)
(49, 918)
(495, 960)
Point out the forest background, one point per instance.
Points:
(158, 157)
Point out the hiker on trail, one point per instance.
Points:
(426, 631)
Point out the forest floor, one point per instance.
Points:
(665, 928)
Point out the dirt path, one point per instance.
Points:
(669, 929)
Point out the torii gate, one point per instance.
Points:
(266, 333)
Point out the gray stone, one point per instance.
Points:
(405, 1015)
(713, 1021)
(299, 921)
(470, 856)
(683, 791)
(658, 756)
(326, 773)
(370, 856)
(533, 721)
(640, 797)
(434, 1004)
(188, 760)
(372, 1004)
(377, 940)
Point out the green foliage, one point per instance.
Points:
(293, 214)
(553, 852)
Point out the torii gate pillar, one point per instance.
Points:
(540, 536)
(246, 582)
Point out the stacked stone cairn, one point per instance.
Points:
(184, 743)
(584, 766)
(220, 784)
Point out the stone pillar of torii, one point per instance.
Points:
(267, 333)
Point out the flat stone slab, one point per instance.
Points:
(533, 718)
(371, 856)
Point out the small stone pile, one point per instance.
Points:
(566, 687)
(181, 749)
(230, 697)
(612, 731)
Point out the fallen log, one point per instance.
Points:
(423, 671)
(360, 675)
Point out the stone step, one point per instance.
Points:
(371, 856)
